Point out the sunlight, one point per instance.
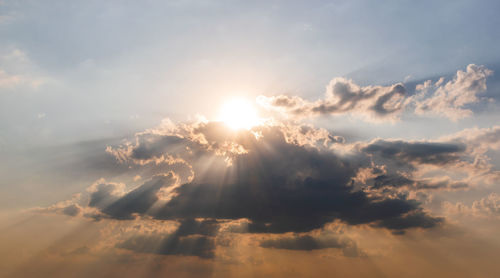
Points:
(238, 114)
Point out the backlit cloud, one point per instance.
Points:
(378, 103)
(274, 179)
(290, 179)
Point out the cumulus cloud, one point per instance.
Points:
(403, 167)
(276, 178)
(451, 98)
(344, 96)
(488, 206)
(103, 194)
(309, 191)
(480, 144)
(378, 103)
(478, 140)
(453, 162)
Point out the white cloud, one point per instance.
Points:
(382, 103)
(450, 99)
(488, 206)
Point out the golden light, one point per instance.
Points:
(239, 114)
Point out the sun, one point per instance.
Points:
(239, 114)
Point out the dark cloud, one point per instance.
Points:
(195, 245)
(150, 146)
(391, 180)
(413, 219)
(139, 200)
(440, 184)
(275, 179)
(208, 227)
(192, 238)
(344, 96)
(103, 194)
(298, 243)
(308, 243)
(279, 186)
(71, 210)
(396, 180)
(415, 152)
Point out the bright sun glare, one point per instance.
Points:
(238, 114)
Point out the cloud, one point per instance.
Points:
(276, 178)
(400, 166)
(68, 207)
(416, 218)
(382, 103)
(441, 183)
(200, 246)
(308, 243)
(450, 99)
(376, 181)
(344, 96)
(477, 140)
(137, 201)
(481, 143)
(488, 206)
(192, 238)
(415, 152)
(452, 162)
(103, 194)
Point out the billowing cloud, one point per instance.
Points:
(478, 140)
(450, 99)
(377, 103)
(344, 96)
(279, 185)
(283, 178)
(275, 180)
(488, 206)
(103, 194)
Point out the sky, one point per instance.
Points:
(249, 138)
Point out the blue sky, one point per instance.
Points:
(96, 61)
